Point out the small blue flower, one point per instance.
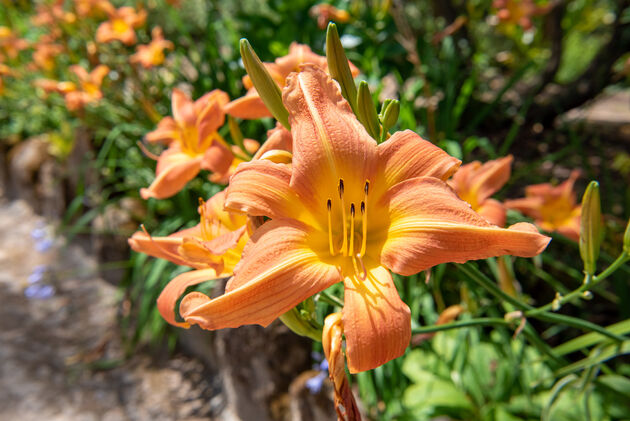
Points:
(38, 274)
(38, 233)
(314, 384)
(43, 245)
(39, 291)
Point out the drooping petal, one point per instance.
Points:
(429, 224)
(248, 107)
(170, 294)
(174, 170)
(407, 155)
(493, 211)
(278, 270)
(261, 188)
(329, 142)
(166, 131)
(163, 247)
(376, 322)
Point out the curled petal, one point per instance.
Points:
(493, 211)
(163, 247)
(170, 294)
(261, 188)
(429, 225)
(166, 131)
(249, 107)
(376, 322)
(278, 271)
(174, 170)
(406, 155)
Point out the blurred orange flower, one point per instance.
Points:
(52, 14)
(193, 143)
(89, 87)
(213, 247)
(251, 106)
(519, 12)
(10, 43)
(152, 54)
(476, 182)
(553, 208)
(45, 53)
(348, 210)
(326, 12)
(4, 71)
(91, 8)
(121, 25)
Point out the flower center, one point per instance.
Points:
(351, 239)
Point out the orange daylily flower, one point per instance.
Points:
(52, 14)
(327, 12)
(92, 8)
(193, 143)
(251, 106)
(475, 183)
(121, 25)
(213, 248)
(10, 43)
(348, 210)
(89, 89)
(519, 12)
(553, 208)
(45, 53)
(152, 54)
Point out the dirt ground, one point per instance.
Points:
(60, 355)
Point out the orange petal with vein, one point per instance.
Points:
(249, 107)
(407, 155)
(170, 294)
(162, 247)
(278, 271)
(493, 211)
(261, 188)
(429, 225)
(376, 322)
(174, 170)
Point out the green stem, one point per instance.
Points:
(482, 321)
(330, 299)
(477, 276)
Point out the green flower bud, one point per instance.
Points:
(626, 239)
(267, 88)
(366, 112)
(590, 227)
(389, 115)
(338, 66)
(295, 321)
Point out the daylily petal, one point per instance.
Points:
(406, 155)
(493, 175)
(429, 224)
(174, 170)
(249, 107)
(261, 188)
(279, 270)
(170, 294)
(183, 108)
(212, 116)
(216, 95)
(277, 138)
(217, 158)
(162, 247)
(376, 322)
(528, 205)
(329, 142)
(493, 211)
(165, 132)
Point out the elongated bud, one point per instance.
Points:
(267, 88)
(338, 66)
(295, 321)
(590, 228)
(626, 239)
(389, 115)
(366, 112)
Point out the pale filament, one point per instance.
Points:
(348, 243)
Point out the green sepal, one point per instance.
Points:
(338, 66)
(267, 88)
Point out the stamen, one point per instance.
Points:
(330, 236)
(352, 212)
(344, 245)
(363, 276)
(363, 229)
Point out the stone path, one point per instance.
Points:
(58, 340)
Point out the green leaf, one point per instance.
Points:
(433, 393)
